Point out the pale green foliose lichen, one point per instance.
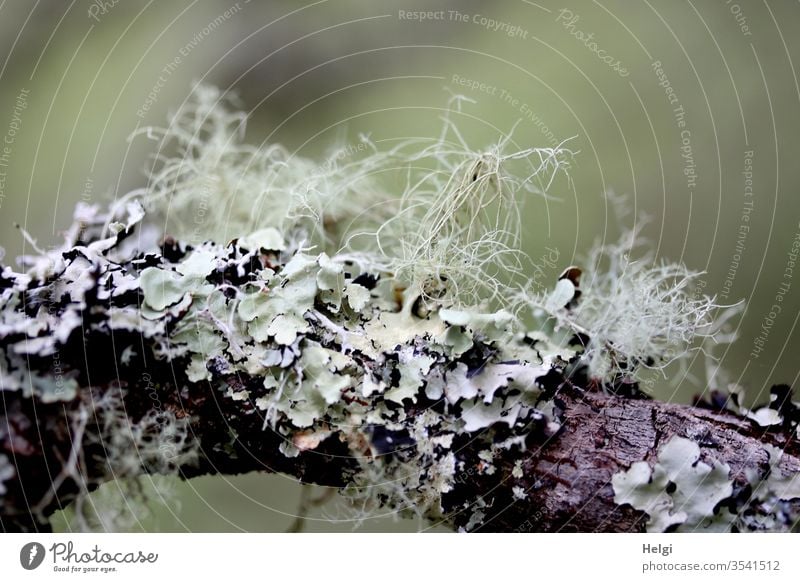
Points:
(778, 485)
(680, 492)
(325, 347)
(6, 472)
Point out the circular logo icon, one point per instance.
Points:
(31, 555)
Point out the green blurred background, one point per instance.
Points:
(76, 76)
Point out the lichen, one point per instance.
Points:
(7, 472)
(326, 364)
(771, 505)
(680, 492)
(454, 228)
(396, 329)
(635, 313)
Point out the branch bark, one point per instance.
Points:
(567, 478)
(96, 398)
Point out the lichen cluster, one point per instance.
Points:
(433, 212)
(683, 493)
(394, 328)
(345, 354)
(338, 353)
(680, 490)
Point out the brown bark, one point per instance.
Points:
(567, 477)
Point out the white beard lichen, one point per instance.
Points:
(452, 233)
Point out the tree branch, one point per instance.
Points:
(223, 359)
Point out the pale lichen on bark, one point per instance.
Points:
(382, 370)
(308, 343)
